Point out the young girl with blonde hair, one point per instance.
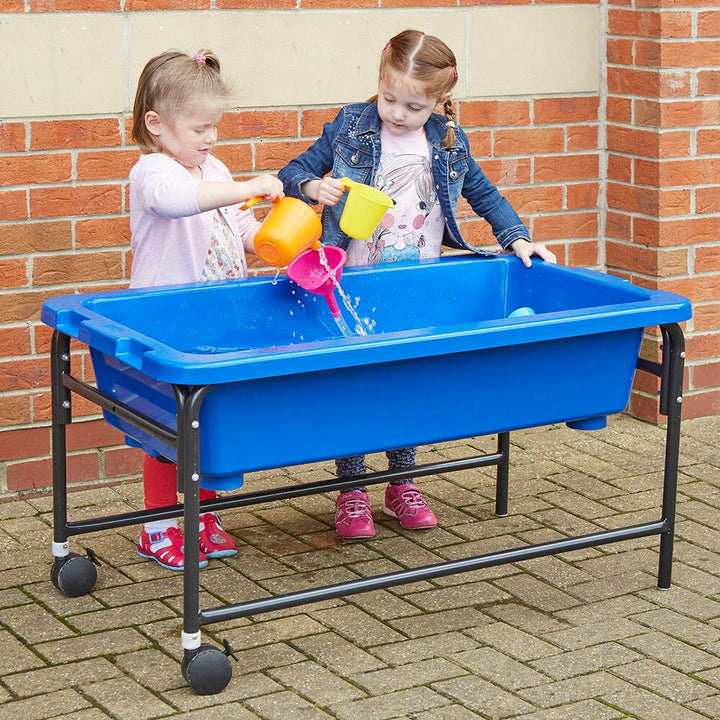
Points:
(186, 227)
(370, 143)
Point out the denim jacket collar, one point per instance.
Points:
(369, 123)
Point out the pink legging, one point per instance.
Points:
(160, 484)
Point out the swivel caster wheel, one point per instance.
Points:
(207, 670)
(74, 575)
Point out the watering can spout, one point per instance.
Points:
(311, 274)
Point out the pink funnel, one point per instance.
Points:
(310, 274)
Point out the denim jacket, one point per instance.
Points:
(350, 147)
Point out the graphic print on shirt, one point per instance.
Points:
(402, 233)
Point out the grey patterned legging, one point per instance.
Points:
(399, 459)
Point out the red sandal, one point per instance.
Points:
(166, 548)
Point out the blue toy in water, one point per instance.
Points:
(521, 312)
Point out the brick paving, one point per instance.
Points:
(582, 636)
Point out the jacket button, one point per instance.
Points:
(355, 158)
(453, 175)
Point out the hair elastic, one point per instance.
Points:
(387, 45)
(199, 58)
(454, 73)
(450, 124)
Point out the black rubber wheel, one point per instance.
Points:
(207, 670)
(73, 575)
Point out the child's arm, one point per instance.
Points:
(303, 177)
(213, 195)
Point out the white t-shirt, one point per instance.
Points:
(413, 229)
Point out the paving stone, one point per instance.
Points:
(112, 642)
(59, 677)
(283, 705)
(442, 645)
(586, 635)
(126, 700)
(571, 690)
(679, 626)
(664, 681)
(15, 655)
(585, 660)
(671, 652)
(316, 683)
(477, 593)
(408, 675)
(484, 697)
(536, 593)
(241, 687)
(337, 653)
(358, 626)
(445, 620)
(499, 668)
(641, 703)
(391, 706)
(584, 710)
(57, 704)
(126, 616)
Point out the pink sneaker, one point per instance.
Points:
(353, 519)
(406, 503)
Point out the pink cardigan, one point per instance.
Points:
(170, 236)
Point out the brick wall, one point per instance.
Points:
(64, 228)
(663, 197)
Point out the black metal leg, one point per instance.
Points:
(671, 394)
(503, 474)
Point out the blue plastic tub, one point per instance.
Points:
(444, 362)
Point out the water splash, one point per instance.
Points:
(359, 327)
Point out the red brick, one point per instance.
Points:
(73, 5)
(35, 237)
(696, 53)
(708, 142)
(42, 336)
(583, 254)
(674, 143)
(684, 231)
(480, 142)
(312, 121)
(77, 267)
(35, 169)
(102, 232)
(679, 113)
(633, 22)
(237, 156)
(706, 376)
(121, 462)
(701, 171)
(14, 409)
(14, 341)
(25, 373)
(528, 141)
(566, 110)
(707, 259)
(12, 134)
(582, 137)
(22, 306)
(274, 155)
(16, 444)
(14, 204)
(53, 134)
(706, 317)
(339, 4)
(708, 23)
(675, 83)
(418, 3)
(166, 5)
(494, 113)
(702, 404)
(568, 226)
(632, 141)
(648, 53)
(75, 200)
(509, 171)
(566, 167)
(259, 124)
(539, 198)
(255, 4)
(620, 168)
(618, 225)
(35, 474)
(105, 164)
(628, 81)
(92, 434)
(646, 260)
(582, 195)
(704, 346)
(619, 110)
(14, 273)
(619, 51)
(707, 200)
(708, 82)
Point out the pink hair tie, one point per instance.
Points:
(454, 73)
(387, 45)
(199, 58)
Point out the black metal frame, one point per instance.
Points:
(189, 400)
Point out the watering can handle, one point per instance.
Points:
(249, 203)
(347, 183)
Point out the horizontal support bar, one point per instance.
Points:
(80, 527)
(122, 411)
(649, 366)
(428, 572)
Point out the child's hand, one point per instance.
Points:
(268, 187)
(524, 249)
(329, 191)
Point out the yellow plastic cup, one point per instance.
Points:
(364, 209)
(289, 228)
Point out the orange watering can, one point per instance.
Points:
(289, 228)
